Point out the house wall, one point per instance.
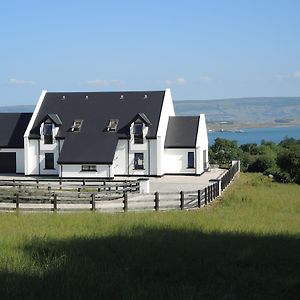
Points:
(19, 158)
(137, 148)
(201, 146)
(166, 112)
(120, 164)
(48, 148)
(74, 171)
(176, 161)
(30, 146)
(31, 156)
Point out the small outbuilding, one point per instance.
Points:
(12, 129)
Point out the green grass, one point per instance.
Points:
(244, 246)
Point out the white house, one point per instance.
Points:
(108, 134)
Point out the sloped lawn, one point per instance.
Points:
(244, 246)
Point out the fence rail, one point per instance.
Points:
(113, 196)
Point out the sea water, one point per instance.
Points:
(257, 135)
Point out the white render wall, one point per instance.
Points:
(166, 112)
(121, 158)
(31, 156)
(202, 145)
(48, 148)
(31, 146)
(176, 161)
(19, 158)
(74, 171)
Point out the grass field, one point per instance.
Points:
(244, 246)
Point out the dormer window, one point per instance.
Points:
(112, 125)
(48, 133)
(76, 125)
(138, 132)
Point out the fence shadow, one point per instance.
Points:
(151, 263)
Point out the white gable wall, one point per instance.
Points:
(201, 146)
(31, 147)
(166, 112)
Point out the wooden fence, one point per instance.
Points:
(110, 196)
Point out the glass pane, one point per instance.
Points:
(47, 129)
(49, 161)
(191, 163)
(138, 129)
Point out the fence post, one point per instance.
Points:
(17, 201)
(93, 202)
(49, 188)
(54, 202)
(156, 200)
(60, 184)
(37, 184)
(205, 196)
(214, 191)
(14, 183)
(199, 198)
(181, 200)
(125, 201)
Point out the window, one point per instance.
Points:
(191, 160)
(138, 132)
(48, 134)
(49, 160)
(76, 126)
(139, 161)
(88, 168)
(112, 125)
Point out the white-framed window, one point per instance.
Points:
(48, 133)
(139, 161)
(191, 160)
(138, 132)
(76, 125)
(112, 125)
(49, 161)
(89, 168)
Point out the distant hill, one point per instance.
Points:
(244, 111)
(17, 108)
(239, 112)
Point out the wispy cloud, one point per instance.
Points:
(296, 74)
(14, 81)
(105, 82)
(205, 78)
(178, 81)
(282, 77)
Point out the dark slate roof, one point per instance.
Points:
(93, 144)
(12, 129)
(182, 132)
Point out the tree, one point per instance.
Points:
(223, 151)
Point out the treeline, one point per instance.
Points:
(282, 161)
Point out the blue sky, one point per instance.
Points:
(200, 49)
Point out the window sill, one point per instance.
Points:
(193, 168)
(141, 169)
(89, 171)
(49, 169)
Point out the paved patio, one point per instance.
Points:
(172, 183)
